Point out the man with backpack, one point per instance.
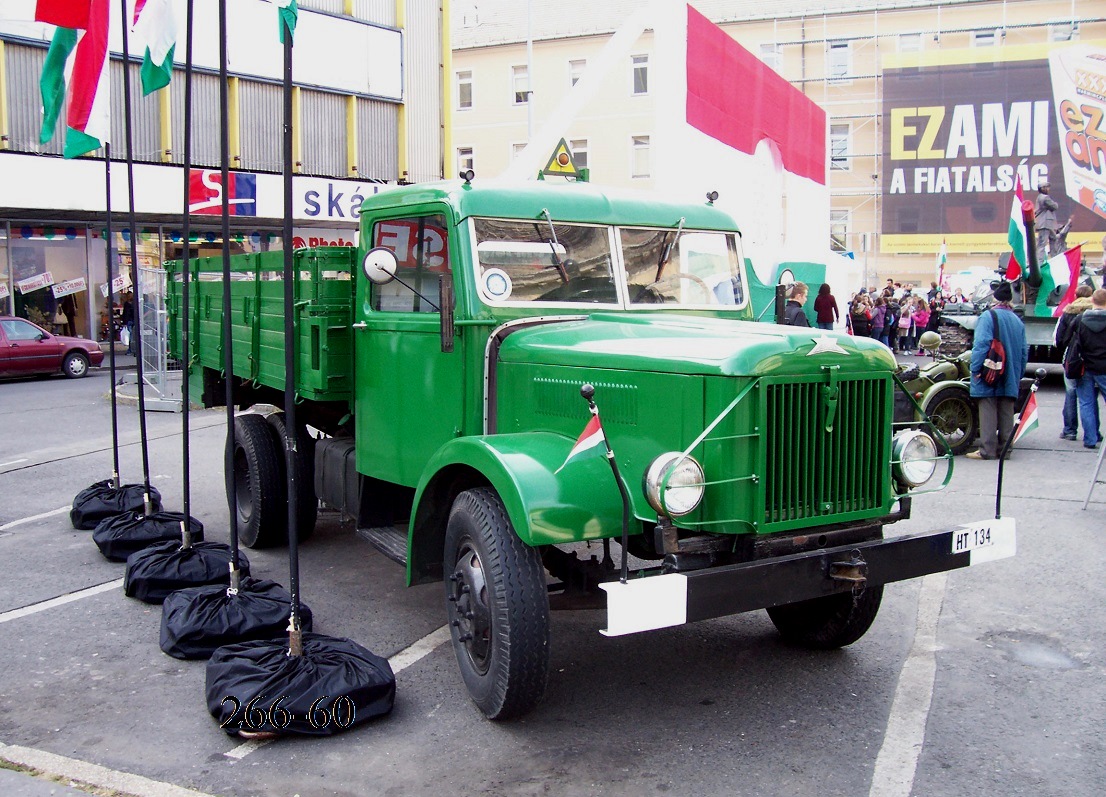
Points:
(999, 357)
(1090, 335)
(1065, 328)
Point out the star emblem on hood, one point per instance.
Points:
(826, 344)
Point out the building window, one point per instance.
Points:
(520, 84)
(1061, 32)
(838, 64)
(579, 147)
(640, 74)
(516, 150)
(576, 70)
(770, 55)
(464, 90)
(839, 230)
(839, 146)
(910, 43)
(464, 158)
(640, 165)
(984, 38)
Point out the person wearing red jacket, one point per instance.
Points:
(825, 306)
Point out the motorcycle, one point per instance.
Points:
(942, 388)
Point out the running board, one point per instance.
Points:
(389, 540)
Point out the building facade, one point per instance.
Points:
(368, 113)
(932, 108)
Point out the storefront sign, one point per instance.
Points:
(4, 292)
(205, 193)
(118, 285)
(77, 285)
(333, 200)
(308, 238)
(35, 283)
(1079, 89)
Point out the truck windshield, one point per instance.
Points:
(538, 262)
(535, 261)
(692, 268)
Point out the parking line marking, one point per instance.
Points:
(61, 600)
(897, 762)
(417, 650)
(92, 774)
(21, 521)
(13, 462)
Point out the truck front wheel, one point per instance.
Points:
(830, 622)
(498, 607)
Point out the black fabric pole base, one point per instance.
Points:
(120, 536)
(197, 621)
(101, 501)
(154, 572)
(335, 685)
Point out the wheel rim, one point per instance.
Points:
(243, 496)
(953, 418)
(76, 366)
(469, 612)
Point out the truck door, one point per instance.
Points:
(409, 394)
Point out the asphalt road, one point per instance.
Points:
(990, 680)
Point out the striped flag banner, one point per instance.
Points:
(155, 26)
(71, 14)
(1015, 233)
(591, 437)
(1028, 420)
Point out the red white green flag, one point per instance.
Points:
(63, 13)
(1028, 420)
(591, 437)
(1072, 260)
(1016, 233)
(287, 16)
(942, 260)
(82, 56)
(155, 26)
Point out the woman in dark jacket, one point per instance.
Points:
(862, 319)
(825, 306)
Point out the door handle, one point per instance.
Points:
(360, 325)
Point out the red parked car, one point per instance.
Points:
(27, 348)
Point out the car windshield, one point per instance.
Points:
(544, 261)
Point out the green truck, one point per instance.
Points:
(439, 370)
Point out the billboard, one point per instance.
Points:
(959, 126)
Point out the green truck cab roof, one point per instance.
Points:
(567, 202)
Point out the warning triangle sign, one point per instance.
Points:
(561, 162)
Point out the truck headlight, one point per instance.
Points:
(685, 484)
(914, 454)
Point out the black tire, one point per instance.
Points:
(307, 503)
(498, 607)
(830, 622)
(260, 490)
(75, 365)
(954, 413)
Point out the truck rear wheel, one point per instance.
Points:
(259, 491)
(830, 622)
(498, 607)
(307, 503)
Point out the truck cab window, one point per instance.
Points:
(536, 261)
(421, 245)
(670, 266)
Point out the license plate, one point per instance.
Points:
(977, 535)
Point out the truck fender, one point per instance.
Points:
(931, 392)
(543, 505)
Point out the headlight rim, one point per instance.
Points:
(657, 472)
(899, 445)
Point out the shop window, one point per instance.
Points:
(5, 282)
(49, 263)
(421, 246)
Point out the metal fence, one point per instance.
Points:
(161, 374)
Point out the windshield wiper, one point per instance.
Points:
(553, 244)
(668, 247)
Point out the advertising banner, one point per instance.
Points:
(4, 292)
(67, 287)
(959, 126)
(118, 285)
(35, 283)
(1079, 89)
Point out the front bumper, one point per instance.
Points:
(661, 601)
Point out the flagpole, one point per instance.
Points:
(295, 634)
(588, 392)
(132, 223)
(1039, 374)
(109, 238)
(186, 238)
(228, 353)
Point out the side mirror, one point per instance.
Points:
(380, 265)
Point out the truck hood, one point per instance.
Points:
(690, 344)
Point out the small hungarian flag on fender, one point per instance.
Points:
(589, 439)
(1028, 421)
